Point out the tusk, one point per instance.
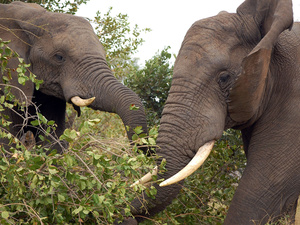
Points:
(193, 165)
(76, 100)
(146, 178)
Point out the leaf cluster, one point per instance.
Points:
(119, 39)
(88, 184)
(152, 84)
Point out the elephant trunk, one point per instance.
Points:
(170, 149)
(182, 132)
(112, 96)
(99, 89)
(127, 104)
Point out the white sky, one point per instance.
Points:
(169, 20)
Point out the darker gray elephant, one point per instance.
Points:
(66, 54)
(237, 70)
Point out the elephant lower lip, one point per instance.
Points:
(77, 109)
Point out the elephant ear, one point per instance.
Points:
(17, 27)
(271, 17)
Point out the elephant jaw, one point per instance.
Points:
(200, 157)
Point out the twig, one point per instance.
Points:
(33, 212)
(91, 172)
(68, 186)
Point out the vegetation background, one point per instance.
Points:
(90, 182)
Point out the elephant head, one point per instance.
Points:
(66, 54)
(236, 70)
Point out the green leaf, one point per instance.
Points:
(101, 199)
(134, 107)
(86, 211)
(51, 122)
(135, 137)
(61, 198)
(34, 182)
(96, 198)
(151, 141)
(138, 129)
(5, 214)
(21, 80)
(34, 123)
(53, 170)
(7, 51)
(78, 210)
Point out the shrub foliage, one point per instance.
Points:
(152, 84)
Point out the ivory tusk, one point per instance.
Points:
(193, 165)
(146, 178)
(76, 100)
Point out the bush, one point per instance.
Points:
(89, 183)
(152, 84)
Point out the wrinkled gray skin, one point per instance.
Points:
(223, 78)
(65, 53)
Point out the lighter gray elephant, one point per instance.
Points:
(66, 54)
(236, 70)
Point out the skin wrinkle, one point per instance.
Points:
(253, 193)
(273, 180)
(190, 113)
(90, 68)
(272, 159)
(54, 79)
(175, 140)
(190, 131)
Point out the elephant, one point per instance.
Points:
(242, 71)
(66, 54)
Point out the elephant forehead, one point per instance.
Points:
(69, 27)
(194, 56)
(78, 41)
(213, 36)
(209, 46)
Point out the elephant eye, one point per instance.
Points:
(224, 80)
(59, 58)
